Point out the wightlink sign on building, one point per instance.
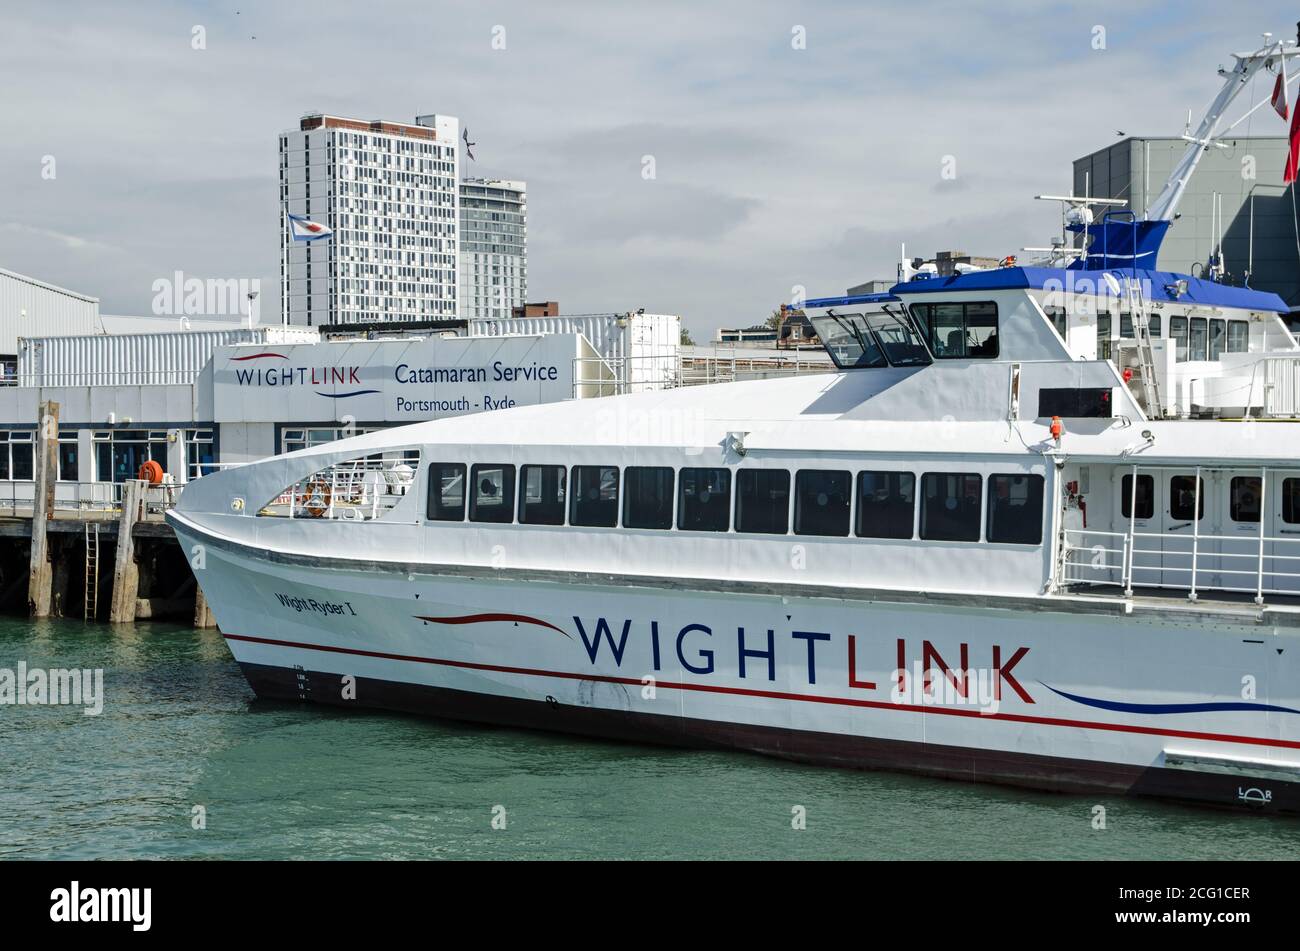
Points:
(391, 380)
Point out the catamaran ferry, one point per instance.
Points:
(1041, 528)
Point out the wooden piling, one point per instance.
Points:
(40, 579)
(202, 613)
(126, 573)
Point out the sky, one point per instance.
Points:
(794, 145)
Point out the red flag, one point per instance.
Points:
(1293, 156)
(1279, 94)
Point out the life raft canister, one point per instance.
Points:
(150, 472)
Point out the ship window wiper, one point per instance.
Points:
(869, 352)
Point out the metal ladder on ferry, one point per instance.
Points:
(1146, 359)
(90, 606)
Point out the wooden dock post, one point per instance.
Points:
(40, 579)
(202, 613)
(126, 573)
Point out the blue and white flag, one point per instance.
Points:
(304, 229)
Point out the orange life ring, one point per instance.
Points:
(316, 500)
(150, 472)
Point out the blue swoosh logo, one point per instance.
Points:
(1220, 706)
(343, 396)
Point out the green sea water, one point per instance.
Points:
(180, 729)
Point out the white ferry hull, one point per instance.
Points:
(1175, 704)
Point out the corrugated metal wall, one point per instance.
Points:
(136, 359)
(643, 350)
(48, 310)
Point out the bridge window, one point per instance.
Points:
(763, 501)
(1198, 343)
(1186, 496)
(1238, 336)
(1178, 334)
(1291, 501)
(959, 331)
(849, 341)
(541, 495)
(886, 504)
(594, 499)
(493, 495)
(1245, 498)
(1016, 509)
(821, 502)
(704, 500)
(446, 492)
(1218, 338)
(950, 507)
(1103, 337)
(647, 497)
(1146, 497)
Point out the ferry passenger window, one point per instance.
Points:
(704, 500)
(647, 497)
(1198, 344)
(1183, 499)
(1126, 326)
(958, 331)
(821, 502)
(541, 495)
(1016, 509)
(493, 495)
(1238, 336)
(886, 504)
(594, 498)
(446, 492)
(763, 501)
(950, 507)
(1178, 334)
(1245, 498)
(1291, 501)
(1146, 497)
(1153, 325)
(1218, 338)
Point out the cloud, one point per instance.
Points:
(775, 166)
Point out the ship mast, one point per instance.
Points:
(1247, 65)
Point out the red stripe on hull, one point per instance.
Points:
(1048, 773)
(781, 695)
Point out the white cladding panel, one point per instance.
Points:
(135, 359)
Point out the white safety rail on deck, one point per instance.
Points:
(357, 489)
(1191, 561)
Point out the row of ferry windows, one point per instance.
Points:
(1195, 338)
(593, 496)
(1187, 498)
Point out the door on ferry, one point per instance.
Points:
(1283, 551)
(1237, 566)
(1185, 504)
(1140, 508)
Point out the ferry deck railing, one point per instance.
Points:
(615, 376)
(1264, 564)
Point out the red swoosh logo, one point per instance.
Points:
(486, 618)
(259, 356)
